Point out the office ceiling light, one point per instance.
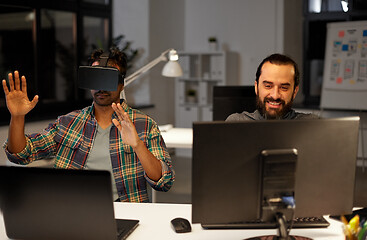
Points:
(344, 4)
(314, 6)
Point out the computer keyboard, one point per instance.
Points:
(304, 222)
(310, 222)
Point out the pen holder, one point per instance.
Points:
(353, 230)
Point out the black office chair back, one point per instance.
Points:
(232, 99)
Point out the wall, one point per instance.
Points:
(131, 18)
(247, 27)
(166, 30)
(253, 29)
(293, 36)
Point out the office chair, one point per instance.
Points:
(232, 99)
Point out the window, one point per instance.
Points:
(57, 56)
(317, 14)
(16, 45)
(47, 41)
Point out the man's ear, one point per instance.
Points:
(295, 92)
(256, 90)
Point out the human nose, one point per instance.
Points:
(274, 93)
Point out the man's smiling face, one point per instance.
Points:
(275, 90)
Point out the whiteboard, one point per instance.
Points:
(345, 67)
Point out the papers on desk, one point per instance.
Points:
(165, 128)
(176, 137)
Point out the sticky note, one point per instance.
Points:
(345, 47)
(339, 80)
(352, 81)
(341, 33)
(364, 33)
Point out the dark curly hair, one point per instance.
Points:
(280, 59)
(116, 56)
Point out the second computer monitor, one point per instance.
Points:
(227, 176)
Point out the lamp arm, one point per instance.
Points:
(145, 68)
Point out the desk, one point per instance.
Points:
(155, 224)
(178, 137)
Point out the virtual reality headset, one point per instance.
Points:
(100, 77)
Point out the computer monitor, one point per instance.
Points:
(232, 99)
(360, 195)
(229, 163)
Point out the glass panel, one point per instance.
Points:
(337, 6)
(106, 2)
(314, 6)
(95, 35)
(57, 57)
(16, 47)
(317, 6)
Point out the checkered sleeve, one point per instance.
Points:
(158, 148)
(39, 146)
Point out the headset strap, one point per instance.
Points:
(104, 59)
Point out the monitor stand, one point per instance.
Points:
(282, 231)
(278, 179)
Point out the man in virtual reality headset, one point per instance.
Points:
(108, 135)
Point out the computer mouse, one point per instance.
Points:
(181, 225)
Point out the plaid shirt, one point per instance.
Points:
(71, 138)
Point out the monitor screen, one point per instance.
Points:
(228, 167)
(232, 99)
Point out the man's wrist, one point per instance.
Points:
(17, 118)
(138, 145)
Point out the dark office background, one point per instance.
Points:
(47, 40)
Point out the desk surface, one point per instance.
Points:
(155, 224)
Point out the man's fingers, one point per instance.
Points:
(11, 82)
(5, 87)
(121, 114)
(114, 107)
(117, 111)
(16, 80)
(34, 101)
(24, 84)
(117, 124)
(126, 118)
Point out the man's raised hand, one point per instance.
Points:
(16, 95)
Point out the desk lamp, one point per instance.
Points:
(171, 69)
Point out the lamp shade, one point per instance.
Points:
(172, 69)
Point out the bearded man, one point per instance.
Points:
(276, 86)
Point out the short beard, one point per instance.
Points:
(279, 114)
(99, 103)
